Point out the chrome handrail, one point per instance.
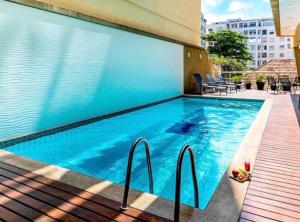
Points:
(129, 166)
(178, 180)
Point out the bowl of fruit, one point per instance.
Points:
(240, 175)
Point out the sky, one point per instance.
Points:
(221, 10)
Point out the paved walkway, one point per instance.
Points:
(274, 192)
(25, 196)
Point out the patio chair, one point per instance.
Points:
(272, 84)
(285, 82)
(204, 86)
(212, 81)
(239, 86)
(296, 82)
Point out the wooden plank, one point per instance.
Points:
(23, 210)
(9, 216)
(42, 207)
(73, 199)
(271, 208)
(273, 203)
(53, 201)
(255, 218)
(83, 194)
(268, 214)
(274, 192)
(272, 186)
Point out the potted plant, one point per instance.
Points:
(248, 82)
(260, 81)
(237, 80)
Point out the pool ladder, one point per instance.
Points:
(178, 175)
(129, 166)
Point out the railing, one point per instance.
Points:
(129, 166)
(178, 180)
(228, 74)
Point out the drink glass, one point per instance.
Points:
(247, 165)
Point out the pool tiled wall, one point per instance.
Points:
(56, 70)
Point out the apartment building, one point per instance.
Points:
(203, 29)
(263, 43)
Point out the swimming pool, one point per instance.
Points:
(214, 128)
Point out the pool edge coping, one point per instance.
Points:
(221, 205)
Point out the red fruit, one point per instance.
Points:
(235, 173)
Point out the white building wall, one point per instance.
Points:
(262, 42)
(55, 70)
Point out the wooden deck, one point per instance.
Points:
(25, 196)
(274, 192)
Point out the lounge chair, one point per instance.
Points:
(211, 81)
(239, 86)
(272, 84)
(284, 80)
(296, 83)
(204, 86)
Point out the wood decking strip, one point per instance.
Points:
(31, 196)
(274, 192)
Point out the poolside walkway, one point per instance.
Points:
(25, 196)
(274, 192)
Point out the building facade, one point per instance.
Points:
(203, 30)
(263, 43)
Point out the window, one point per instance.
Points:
(210, 30)
(245, 32)
(281, 39)
(234, 26)
(289, 46)
(258, 55)
(252, 32)
(252, 24)
(252, 47)
(245, 25)
(264, 32)
(264, 55)
(253, 62)
(271, 39)
(265, 47)
(264, 61)
(259, 23)
(241, 25)
(227, 26)
(271, 55)
(259, 47)
(288, 39)
(264, 39)
(272, 32)
(271, 47)
(259, 32)
(268, 23)
(281, 55)
(258, 63)
(281, 47)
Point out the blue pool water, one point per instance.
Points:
(214, 128)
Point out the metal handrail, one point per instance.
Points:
(129, 166)
(178, 180)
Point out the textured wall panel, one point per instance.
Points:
(55, 70)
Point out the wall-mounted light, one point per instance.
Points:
(188, 54)
(200, 56)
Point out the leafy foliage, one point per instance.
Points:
(227, 63)
(260, 77)
(228, 49)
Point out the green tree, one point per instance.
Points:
(228, 49)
